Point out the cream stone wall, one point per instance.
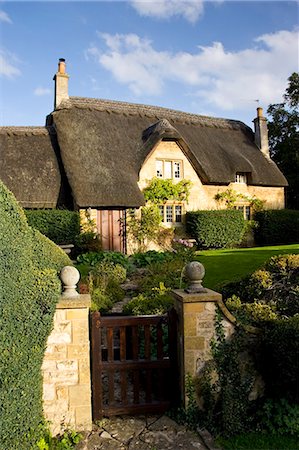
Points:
(196, 329)
(66, 368)
(202, 196)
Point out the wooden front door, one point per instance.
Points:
(111, 225)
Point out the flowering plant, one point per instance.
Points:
(184, 248)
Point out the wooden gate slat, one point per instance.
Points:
(132, 357)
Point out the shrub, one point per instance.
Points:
(149, 257)
(215, 229)
(87, 241)
(275, 284)
(277, 227)
(104, 282)
(280, 417)
(93, 258)
(100, 301)
(46, 254)
(27, 302)
(59, 225)
(280, 365)
(157, 302)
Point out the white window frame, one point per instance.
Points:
(241, 177)
(162, 173)
(174, 216)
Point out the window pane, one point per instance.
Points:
(177, 170)
(241, 177)
(168, 213)
(247, 212)
(159, 168)
(161, 208)
(178, 213)
(167, 169)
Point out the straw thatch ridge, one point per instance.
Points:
(29, 166)
(105, 143)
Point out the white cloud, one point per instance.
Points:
(40, 91)
(4, 17)
(191, 10)
(8, 65)
(221, 78)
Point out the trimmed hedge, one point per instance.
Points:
(277, 226)
(215, 228)
(59, 225)
(29, 291)
(280, 364)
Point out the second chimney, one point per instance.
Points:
(261, 132)
(61, 79)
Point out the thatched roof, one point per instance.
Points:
(29, 167)
(104, 144)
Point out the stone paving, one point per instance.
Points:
(144, 433)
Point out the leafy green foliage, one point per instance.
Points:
(277, 227)
(231, 388)
(259, 441)
(144, 229)
(280, 350)
(230, 197)
(280, 417)
(215, 229)
(284, 138)
(275, 286)
(46, 254)
(59, 225)
(67, 441)
(149, 257)
(29, 292)
(190, 416)
(157, 302)
(104, 282)
(160, 190)
(93, 258)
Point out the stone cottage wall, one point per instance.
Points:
(66, 368)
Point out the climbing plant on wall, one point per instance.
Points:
(160, 190)
(230, 197)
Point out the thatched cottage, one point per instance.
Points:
(99, 155)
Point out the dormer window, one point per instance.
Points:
(168, 169)
(241, 177)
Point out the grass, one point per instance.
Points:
(226, 265)
(259, 441)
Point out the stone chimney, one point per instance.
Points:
(61, 79)
(261, 132)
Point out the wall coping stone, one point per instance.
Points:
(208, 296)
(79, 302)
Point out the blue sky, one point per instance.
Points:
(211, 58)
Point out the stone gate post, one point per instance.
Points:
(66, 366)
(196, 309)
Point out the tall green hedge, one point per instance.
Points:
(29, 291)
(280, 360)
(277, 226)
(215, 228)
(59, 225)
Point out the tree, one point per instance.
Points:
(284, 138)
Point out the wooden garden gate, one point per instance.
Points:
(134, 364)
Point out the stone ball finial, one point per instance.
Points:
(69, 276)
(194, 272)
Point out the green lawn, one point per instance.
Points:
(259, 441)
(227, 265)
